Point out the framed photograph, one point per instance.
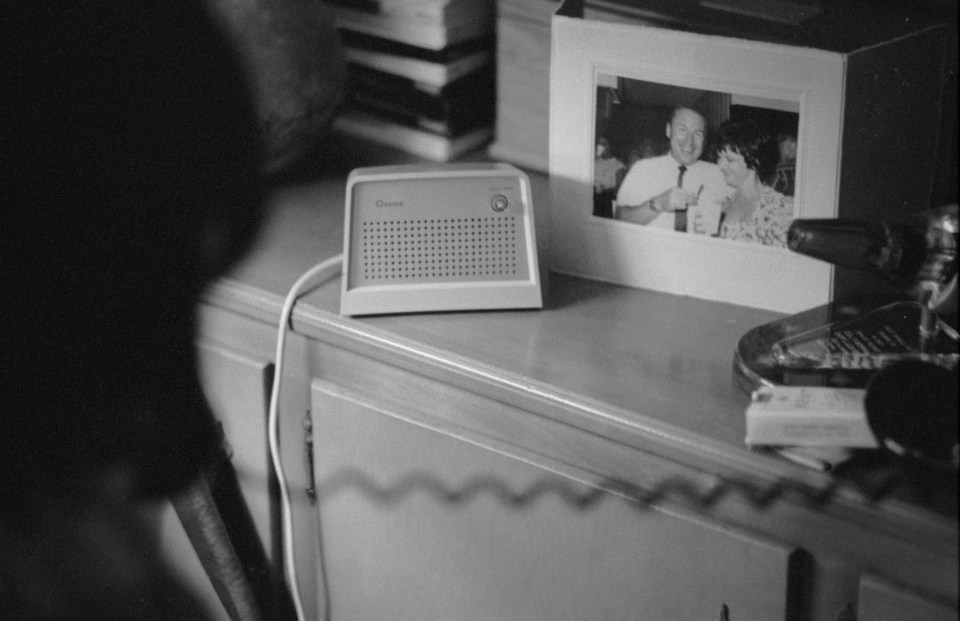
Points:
(615, 90)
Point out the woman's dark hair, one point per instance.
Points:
(747, 138)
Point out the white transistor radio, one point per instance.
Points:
(446, 237)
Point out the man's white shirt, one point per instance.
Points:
(653, 176)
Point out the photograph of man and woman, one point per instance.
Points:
(695, 161)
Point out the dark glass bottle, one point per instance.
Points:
(919, 254)
(895, 251)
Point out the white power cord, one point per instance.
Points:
(323, 272)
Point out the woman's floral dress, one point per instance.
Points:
(767, 225)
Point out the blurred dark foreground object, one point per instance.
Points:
(132, 174)
(912, 410)
(297, 69)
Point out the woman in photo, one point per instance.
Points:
(755, 212)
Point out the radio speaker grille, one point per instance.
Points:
(441, 250)
(453, 237)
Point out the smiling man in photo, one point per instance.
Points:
(658, 191)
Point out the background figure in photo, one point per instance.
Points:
(608, 172)
(644, 149)
(785, 177)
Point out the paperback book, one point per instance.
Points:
(426, 144)
(808, 416)
(434, 36)
(462, 105)
(446, 12)
(781, 20)
(434, 68)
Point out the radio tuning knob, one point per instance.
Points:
(499, 202)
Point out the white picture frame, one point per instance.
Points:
(585, 53)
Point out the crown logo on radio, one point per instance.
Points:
(383, 203)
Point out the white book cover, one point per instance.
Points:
(808, 416)
(426, 72)
(412, 32)
(436, 11)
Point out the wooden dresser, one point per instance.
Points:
(583, 462)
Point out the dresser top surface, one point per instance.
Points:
(657, 362)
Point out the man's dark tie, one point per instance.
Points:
(680, 216)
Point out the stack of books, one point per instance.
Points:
(420, 74)
(523, 82)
